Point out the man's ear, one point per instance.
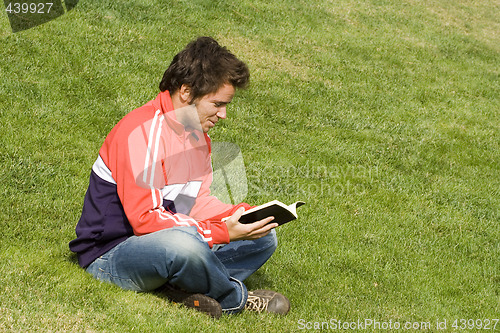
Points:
(185, 93)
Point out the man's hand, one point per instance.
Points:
(255, 230)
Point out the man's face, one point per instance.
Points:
(212, 107)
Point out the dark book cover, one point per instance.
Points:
(281, 212)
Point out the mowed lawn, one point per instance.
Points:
(382, 115)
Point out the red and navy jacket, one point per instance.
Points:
(151, 174)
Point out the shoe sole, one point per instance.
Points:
(203, 304)
(198, 302)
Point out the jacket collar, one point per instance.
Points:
(163, 102)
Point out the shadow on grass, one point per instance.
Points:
(71, 257)
(259, 280)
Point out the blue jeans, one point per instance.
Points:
(180, 257)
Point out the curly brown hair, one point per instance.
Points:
(204, 66)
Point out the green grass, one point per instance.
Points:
(382, 115)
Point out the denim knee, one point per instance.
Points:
(184, 239)
(268, 243)
(273, 240)
(182, 246)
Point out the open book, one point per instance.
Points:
(281, 212)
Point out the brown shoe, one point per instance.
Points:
(268, 301)
(195, 301)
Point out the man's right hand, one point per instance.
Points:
(255, 230)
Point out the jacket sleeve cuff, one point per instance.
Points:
(220, 235)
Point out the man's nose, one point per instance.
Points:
(221, 113)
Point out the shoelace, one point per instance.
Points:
(256, 303)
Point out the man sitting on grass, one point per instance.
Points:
(149, 221)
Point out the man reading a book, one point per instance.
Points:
(149, 222)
